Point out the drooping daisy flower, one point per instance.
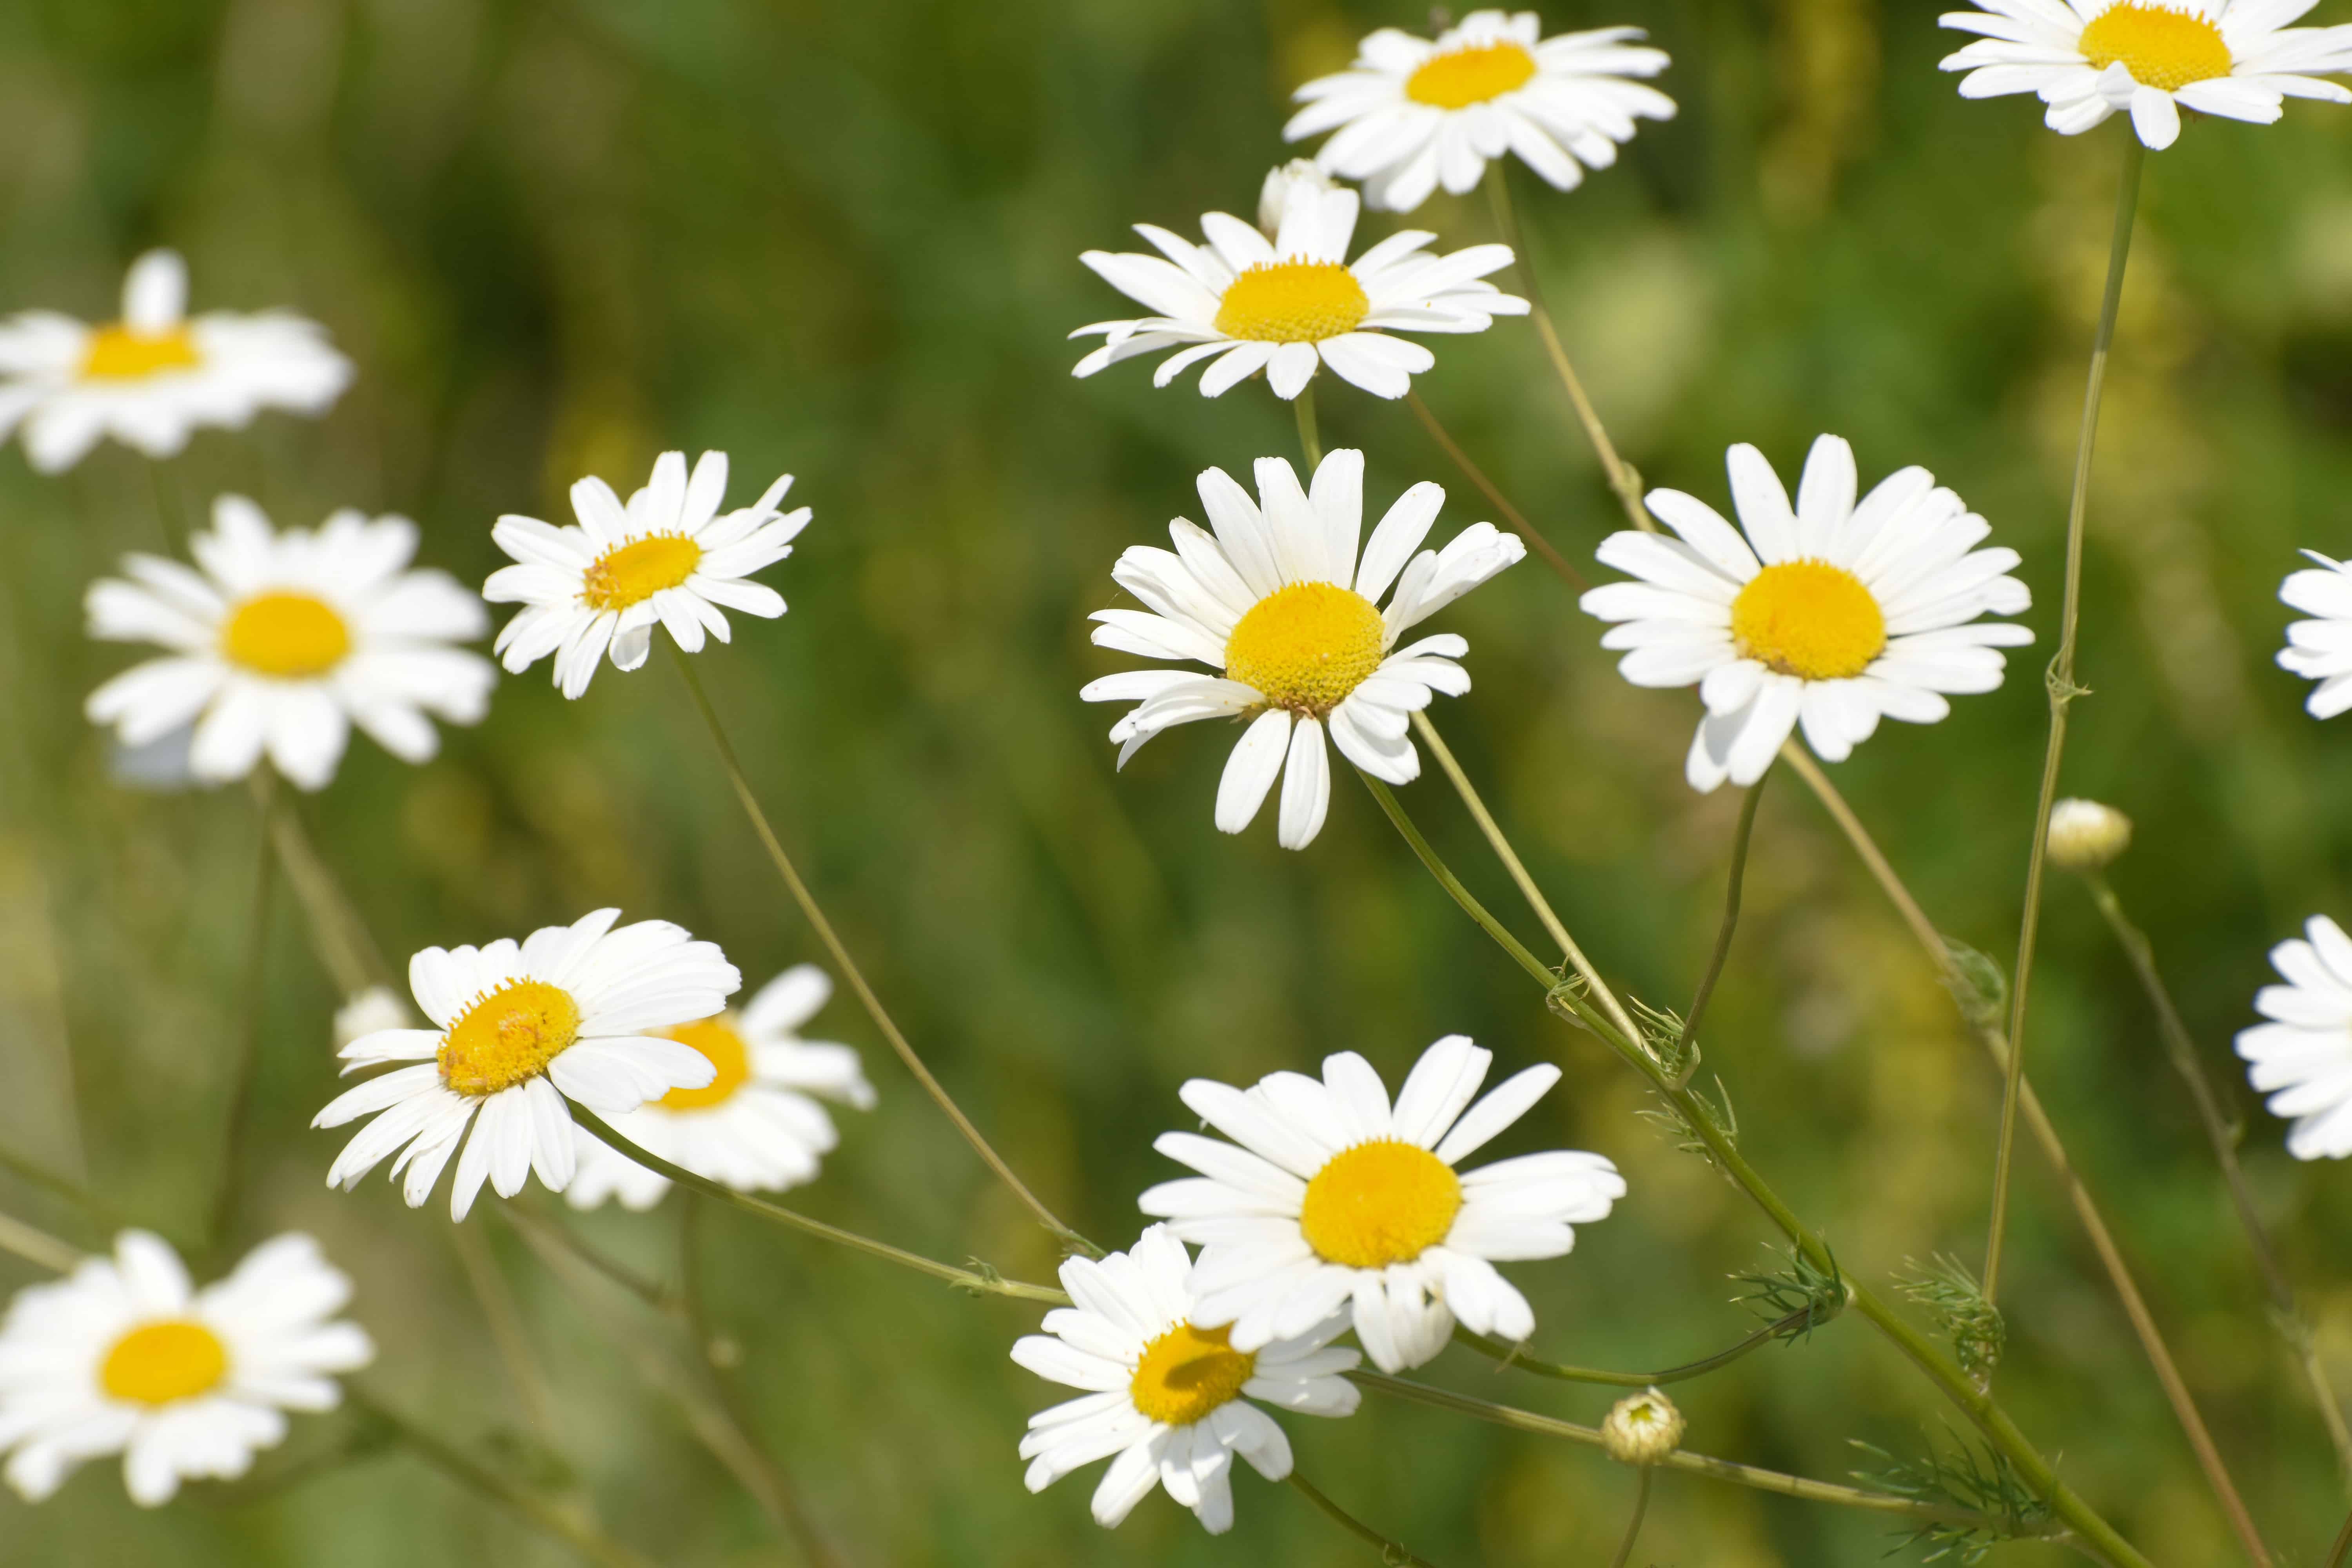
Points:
(2320, 649)
(1168, 1395)
(515, 1029)
(280, 642)
(758, 1125)
(2088, 59)
(152, 378)
(1334, 1199)
(670, 556)
(124, 1356)
(1276, 599)
(1412, 113)
(1830, 616)
(1287, 305)
(2302, 1058)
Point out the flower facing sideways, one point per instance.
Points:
(2320, 648)
(1167, 1394)
(1328, 1197)
(1276, 600)
(2302, 1058)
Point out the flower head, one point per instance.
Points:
(2086, 836)
(1642, 1428)
(2302, 1058)
(2320, 648)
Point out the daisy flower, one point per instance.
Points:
(2088, 59)
(1166, 1393)
(1276, 600)
(1412, 113)
(1292, 303)
(152, 378)
(124, 1356)
(2320, 649)
(2302, 1058)
(755, 1127)
(1831, 616)
(517, 1028)
(1334, 1199)
(670, 556)
(277, 642)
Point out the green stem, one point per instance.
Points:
(1730, 911)
(1510, 1356)
(2338, 1553)
(1634, 1525)
(1309, 442)
(36, 1246)
(33, 1174)
(170, 518)
(248, 1046)
(1478, 476)
(338, 935)
(1391, 1552)
(544, 1234)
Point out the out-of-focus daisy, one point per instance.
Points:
(2088, 59)
(2320, 649)
(1334, 1199)
(1291, 303)
(1831, 615)
(1166, 1394)
(758, 1125)
(124, 1356)
(2302, 1058)
(1415, 114)
(155, 376)
(517, 1028)
(280, 642)
(1278, 600)
(369, 1012)
(670, 556)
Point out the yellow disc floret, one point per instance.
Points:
(2160, 45)
(1293, 302)
(1460, 78)
(715, 1038)
(288, 637)
(633, 573)
(508, 1036)
(163, 1362)
(1809, 618)
(1306, 647)
(1186, 1372)
(1380, 1203)
(118, 353)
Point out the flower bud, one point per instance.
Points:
(1274, 196)
(1642, 1428)
(2086, 836)
(373, 1009)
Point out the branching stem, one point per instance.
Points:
(1552, 558)
(1510, 1356)
(1730, 909)
(1391, 1552)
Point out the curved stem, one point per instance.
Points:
(2338, 1553)
(1509, 1356)
(1634, 1525)
(249, 1045)
(1309, 442)
(1478, 476)
(1391, 1552)
(546, 1234)
(1730, 908)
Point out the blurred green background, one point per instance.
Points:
(561, 236)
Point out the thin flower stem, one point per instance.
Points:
(171, 519)
(1730, 908)
(1310, 441)
(1392, 1552)
(1501, 502)
(1510, 1356)
(2342, 1550)
(2219, 1133)
(504, 1318)
(857, 977)
(1634, 1525)
(544, 1235)
(36, 1246)
(338, 935)
(35, 1174)
(2063, 692)
(248, 1044)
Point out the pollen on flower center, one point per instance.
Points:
(2160, 47)
(116, 353)
(1186, 1372)
(1460, 78)
(1809, 618)
(1380, 1203)
(633, 573)
(717, 1039)
(508, 1036)
(288, 636)
(1293, 302)
(1306, 647)
(159, 1362)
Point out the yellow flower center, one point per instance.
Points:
(715, 1038)
(1380, 1203)
(631, 573)
(1306, 647)
(1186, 1372)
(1809, 618)
(156, 1363)
(508, 1036)
(2160, 45)
(1293, 302)
(288, 637)
(116, 353)
(1460, 78)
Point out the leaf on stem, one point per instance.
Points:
(1983, 1483)
(1974, 1325)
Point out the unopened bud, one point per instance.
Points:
(1642, 1428)
(2086, 836)
(373, 1009)
(1274, 196)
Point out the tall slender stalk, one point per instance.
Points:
(1310, 441)
(248, 1044)
(1510, 1356)
(504, 1317)
(2338, 1553)
(338, 935)
(1634, 1525)
(1392, 1552)
(1730, 909)
(1478, 476)
(36, 1246)
(2063, 692)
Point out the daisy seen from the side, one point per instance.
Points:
(2320, 648)
(2302, 1058)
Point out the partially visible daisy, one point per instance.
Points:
(1334, 1199)
(2088, 59)
(2302, 1058)
(758, 1125)
(1831, 615)
(1289, 304)
(517, 1028)
(1412, 113)
(2320, 649)
(369, 1012)
(1278, 602)
(1169, 1395)
(125, 1356)
(279, 642)
(670, 556)
(153, 377)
